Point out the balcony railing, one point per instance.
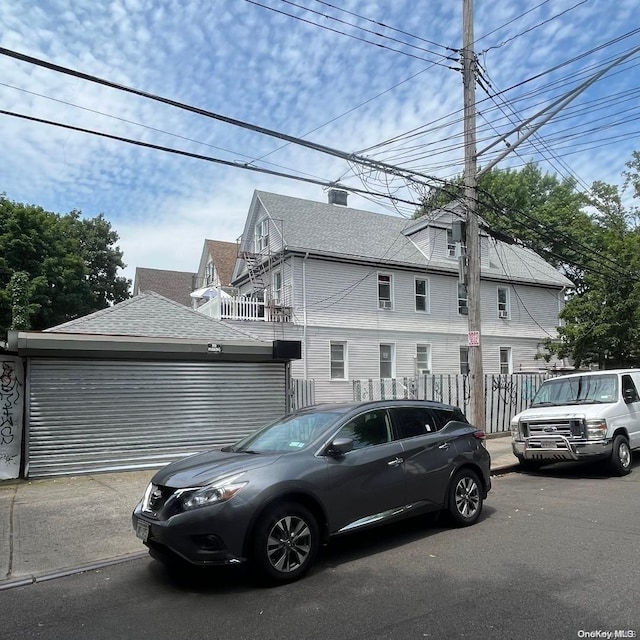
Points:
(222, 306)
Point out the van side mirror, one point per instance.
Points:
(629, 395)
(339, 447)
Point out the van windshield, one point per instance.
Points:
(587, 389)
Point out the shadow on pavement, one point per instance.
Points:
(340, 550)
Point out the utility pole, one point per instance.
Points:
(472, 271)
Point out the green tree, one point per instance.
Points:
(602, 322)
(537, 208)
(593, 239)
(69, 266)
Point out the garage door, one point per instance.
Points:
(87, 416)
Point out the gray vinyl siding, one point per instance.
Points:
(347, 295)
(87, 416)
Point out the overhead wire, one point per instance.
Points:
(349, 35)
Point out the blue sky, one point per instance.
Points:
(256, 64)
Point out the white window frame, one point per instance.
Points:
(506, 365)
(276, 286)
(425, 348)
(392, 359)
(504, 307)
(451, 245)
(464, 349)
(463, 302)
(210, 273)
(261, 234)
(384, 303)
(344, 362)
(426, 295)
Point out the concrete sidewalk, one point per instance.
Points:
(57, 526)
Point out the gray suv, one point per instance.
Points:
(276, 496)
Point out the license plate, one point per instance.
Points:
(142, 530)
(549, 444)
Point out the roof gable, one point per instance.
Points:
(174, 285)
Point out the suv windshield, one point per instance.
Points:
(290, 433)
(587, 389)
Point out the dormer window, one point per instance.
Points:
(451, 245)
(262, 235)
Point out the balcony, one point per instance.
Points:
(223, 306)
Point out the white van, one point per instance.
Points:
(582, 416)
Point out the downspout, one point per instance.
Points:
(304, 313)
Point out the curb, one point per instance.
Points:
(503, 469)
(29, 580)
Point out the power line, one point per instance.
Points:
(197, 156)
(386, 26)
(349, 35)
(407, 174)
(502, 44)
(355, 26)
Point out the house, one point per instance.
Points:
(174, 285)
(379, 296)
(140, 384)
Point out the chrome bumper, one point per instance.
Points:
(559, 448)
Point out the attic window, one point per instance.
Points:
(262, 235)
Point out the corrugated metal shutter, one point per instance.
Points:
(86, 416)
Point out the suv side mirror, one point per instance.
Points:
(339, 447)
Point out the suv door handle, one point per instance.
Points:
(395, 462)
(444, 445)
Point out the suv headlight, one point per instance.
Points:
(515, 429)
(596, 429)
(219, 491)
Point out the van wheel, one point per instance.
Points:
(620, 463)
(286, 541)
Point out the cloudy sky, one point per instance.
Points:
(372, 77)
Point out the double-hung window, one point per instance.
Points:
(505, 360)
(463, 303)
(503, 303)
(276, 286)
(262, 234)
(464, 360)
(385, 291)
(422, 294)
(451, 244)
(339, 361)
(387, 361)
(423, 359)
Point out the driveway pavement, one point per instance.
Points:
(57, 526)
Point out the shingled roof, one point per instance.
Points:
(174, 285)
(152, 316)
(348, 233)
(224, 256)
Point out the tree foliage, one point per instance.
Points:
(54, 268)
(593, 239)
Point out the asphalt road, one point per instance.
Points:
(554, 556)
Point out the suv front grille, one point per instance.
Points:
(569, 428)
(158, 501)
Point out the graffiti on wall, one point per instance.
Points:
(11, 409)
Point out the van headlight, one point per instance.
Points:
(219, 491)
(515, 428)
(596, 429)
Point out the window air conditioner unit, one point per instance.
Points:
(503, 314)
(385, 304)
